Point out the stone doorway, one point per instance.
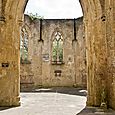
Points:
(99, 28)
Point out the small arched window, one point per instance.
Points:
(57, 48)
(24, 45)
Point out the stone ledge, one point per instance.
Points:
(96, 111)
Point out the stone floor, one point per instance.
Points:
(64, 101)
(96, 111)
(54, 101)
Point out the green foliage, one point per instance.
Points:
(61, 55)
(35, 16)
(57, 52)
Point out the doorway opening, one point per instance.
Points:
(55, 44)
(53, 54)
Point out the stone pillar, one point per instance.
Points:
(110, 37)
(37, 63)
(100, 42)
(96, 50)
(75, 44)
(37, 53)
(9, 63)
(96, 59)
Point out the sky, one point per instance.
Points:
(55, 9)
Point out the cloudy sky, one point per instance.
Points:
(55, 8)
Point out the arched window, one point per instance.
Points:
(57, 48)
(24, 46)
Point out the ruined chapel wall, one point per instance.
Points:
(67, 78)
(73, 71)
(80, 54)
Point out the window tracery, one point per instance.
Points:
(57, 48)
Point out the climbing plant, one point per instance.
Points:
(35, 16)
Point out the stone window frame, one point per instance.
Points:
(52, 39)
(27, 29)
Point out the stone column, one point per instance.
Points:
(9, 63)
(110, 37)
(74, 46)
(96, 49)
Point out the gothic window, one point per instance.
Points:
(24, 46)
(57, 48)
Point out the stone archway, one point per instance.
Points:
(99, 27)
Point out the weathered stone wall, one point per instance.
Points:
(33, 68)
(110, 44)
(67, 78)
(80, 54)
(73, 69)
(99, 21)
(9, 62)
(26, 77)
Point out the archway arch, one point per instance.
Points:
(99, 21)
